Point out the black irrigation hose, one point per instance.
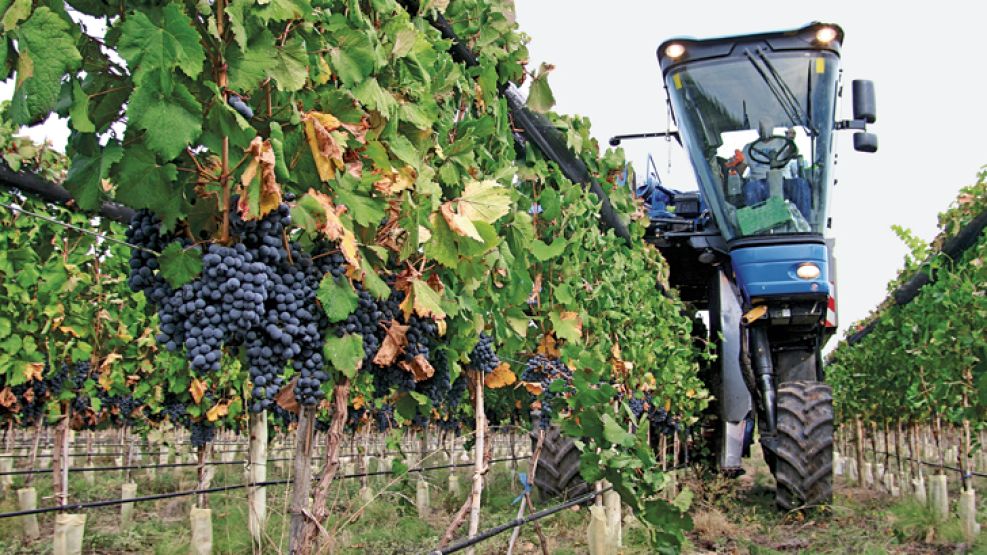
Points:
(24, 471)
(970, 473)
(219, 489)
(131, 467)
(491, 532)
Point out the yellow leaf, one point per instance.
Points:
(458, 223)
(484, 201)
(358, 402)
(218, 411)
(500, 377)
(325, 147)
(548, 346)
(109, 361)
(32, 371)
(69, 330)
(197, 388)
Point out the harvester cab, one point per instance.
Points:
(756, 115)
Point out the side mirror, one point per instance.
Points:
(864, 101)
(865, 142)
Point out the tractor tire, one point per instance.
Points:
(557, 474)
(803, 463)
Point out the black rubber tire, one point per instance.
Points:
(558, 466)
(803, 465)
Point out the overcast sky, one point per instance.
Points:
(927, 62)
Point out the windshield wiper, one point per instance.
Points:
(782, 92)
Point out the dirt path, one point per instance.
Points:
(739, 516)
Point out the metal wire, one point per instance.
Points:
(50, 220)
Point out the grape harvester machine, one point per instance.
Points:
(756, 115)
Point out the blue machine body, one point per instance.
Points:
(769, 270)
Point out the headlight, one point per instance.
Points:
(825, 35)
(807, 270)
(674, 50)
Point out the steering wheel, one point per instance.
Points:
(775, 151)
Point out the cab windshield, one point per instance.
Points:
(758, 128)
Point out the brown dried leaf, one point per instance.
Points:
(393, 345)
(334, 228)
(198, 389)
(286, 397)
(393, 182)
(419, 367)
(8, 400)
(261, 166)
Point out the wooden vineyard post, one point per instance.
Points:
(302, 483)
(60, 455)
(69, 528)
(478, 466)
(859, 448)
(257, 472)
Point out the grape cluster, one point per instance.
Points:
(456, 391)
(384, 417)
(145, 231)
(31, 398)
(68, 377)
(660, 421)
(437, 387)
(543, 371)
(483, 357)
(201, 434)
(258, 293)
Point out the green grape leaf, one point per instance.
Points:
(46, 52)
(353, 58)
(540, 97)
(144, 183)
(545, 252)
(372, 282)
(550, 203)
(589, 466)
(407, 407)
(180, 266)
(161, 44)
(615, 433)
(251, 65)
(168, 112)
(337, 297)
(290, 67)
(79, 112)
(345, 353)
(87, 172)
